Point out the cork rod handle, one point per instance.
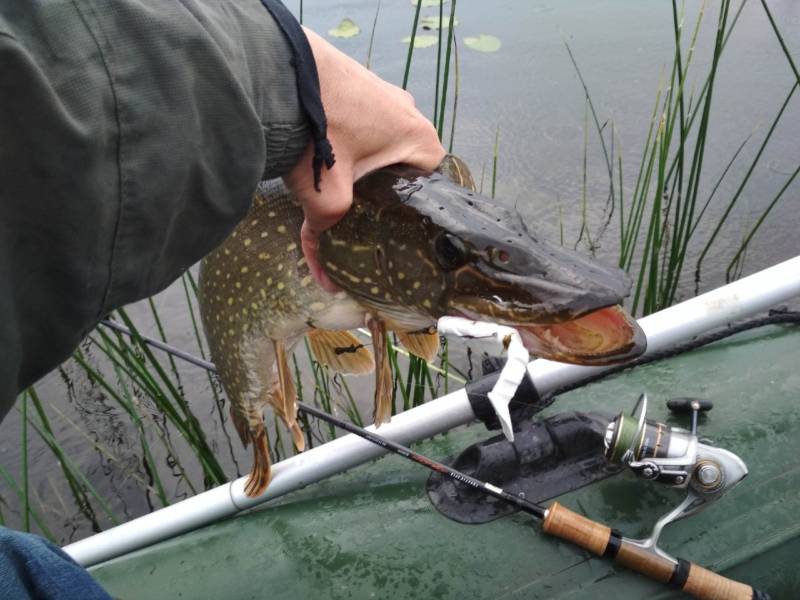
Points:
(601, 540)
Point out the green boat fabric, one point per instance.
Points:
(372, 533)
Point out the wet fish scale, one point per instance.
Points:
(256, 290)
(414, 247)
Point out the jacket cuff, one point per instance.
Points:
(285, 143)
(308, 89)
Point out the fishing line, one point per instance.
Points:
(558, 521)
(774, 317)
(521, 503)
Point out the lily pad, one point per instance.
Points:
(436, 23)
(427, 3)
(422, 41)
(346, 29)
(483, 43)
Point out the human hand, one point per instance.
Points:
(371, 124)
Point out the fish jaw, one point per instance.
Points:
(416, 246)
(540, 283)
(607, 336)
(418, 240)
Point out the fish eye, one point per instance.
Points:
(499, 255)
(450, 251)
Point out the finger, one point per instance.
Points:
(309, 242)
(415, 143)
(323, 208)
(424, 150)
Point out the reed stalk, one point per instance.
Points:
(662, 216)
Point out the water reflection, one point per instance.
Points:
(528, 94)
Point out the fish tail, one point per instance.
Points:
(261, 474)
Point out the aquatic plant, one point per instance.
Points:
(176, 454)
(663, 218)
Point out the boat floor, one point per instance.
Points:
(372, 533)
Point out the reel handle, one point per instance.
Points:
(687, 405)
(603, 541)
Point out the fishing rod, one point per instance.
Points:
(654, 451)
(596, 537)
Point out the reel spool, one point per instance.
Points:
(674, 456)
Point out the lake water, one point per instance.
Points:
(527, 94)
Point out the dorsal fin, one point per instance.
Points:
(456, 170)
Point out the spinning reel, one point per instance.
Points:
(673, 456)
(568, 450)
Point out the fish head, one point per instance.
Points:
(417, 244)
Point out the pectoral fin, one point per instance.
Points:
(341, 351)
(423, 343)
(383, 372)
(284, 399)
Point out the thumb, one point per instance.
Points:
(309, 242)
(322, 209)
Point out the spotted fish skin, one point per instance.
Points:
(415, 246)
(257, 299)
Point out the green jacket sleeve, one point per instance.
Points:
(132, 135)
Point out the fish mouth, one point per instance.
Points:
(606, 336)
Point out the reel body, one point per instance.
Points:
(675, 457)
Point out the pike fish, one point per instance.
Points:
(414, 247)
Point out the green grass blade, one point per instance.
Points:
(411, 45)
(372, 35)
(14, 487)
(78, 482)
(438, 67)
(584, 230)
(213, 470)
(738, 193)
(456, 92)
(494, 159)
(321, 388)
(630, 233)
(717, 184)
(124, 356)
(667, 295)
(351, 408)
(758, 223)
(445, 79)
(26, 500)
(609, 163)
(786, 52)
(126, 401)
(162, 334)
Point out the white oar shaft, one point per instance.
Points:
(733, 302)
(288, 475)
